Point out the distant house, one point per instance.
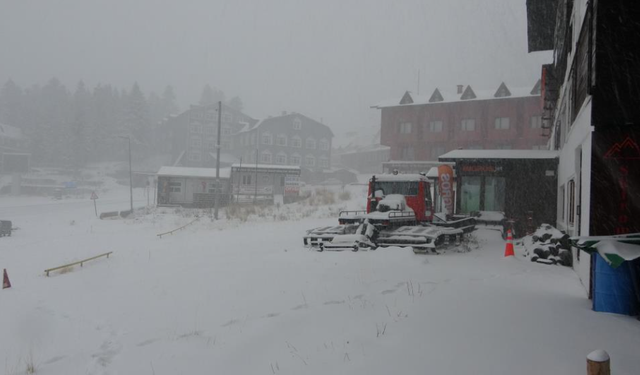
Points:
(366, 159)
(425, 127)
(290, 139)
(192, 187)
(11, 139)
(192, 135)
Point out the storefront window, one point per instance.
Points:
(494, 190)
(470, 199)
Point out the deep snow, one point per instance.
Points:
(247, 298)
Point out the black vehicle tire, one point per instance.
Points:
(356, 247)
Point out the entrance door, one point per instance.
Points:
(494, 191)
(470, 198)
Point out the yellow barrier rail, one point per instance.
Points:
(177, 229)
(80, 262)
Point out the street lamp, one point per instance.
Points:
(130, 175)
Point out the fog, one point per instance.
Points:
(328, 59)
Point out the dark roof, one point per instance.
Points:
(468, 94)
(406, 98)
(541, 24)
(436, 96)
(502, 91)
(287, 117)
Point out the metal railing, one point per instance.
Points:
(80, 262)
(177, 229)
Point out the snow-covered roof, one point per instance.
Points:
(400, 177)
(499, 154)
(193, 172)
(225, 158)
(450, 97)
(370, 148)
(265, 166)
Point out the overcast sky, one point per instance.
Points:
(328, 59)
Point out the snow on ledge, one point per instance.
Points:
(598, 356)
(499, 154)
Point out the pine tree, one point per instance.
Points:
(136, 116)
(211, 96)
(79, 129)
(236, 103)
(52, 141)
(11, 98)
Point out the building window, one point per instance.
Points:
(324, 144)
(407, 153)
(405, 128)
(196, 142)
(539, 147)
(295, 159)
(296, 142)
(281, 159)
(297, 124)
(536, 122)
(310, 161)
(323, 162)
(195, 156)
(210, 142)
(226, 131)
(226, 145)
(435, 126)
(502, 123)
(246, 179)
(265, 157)
(436, 151)
(468, 125)
(175, 187)
(310, 144)
(253, 139)
(227, 117)
(281, 140)
(214, 187)
(267, 139)
(571, 209)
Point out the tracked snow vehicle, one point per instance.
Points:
(399, 213)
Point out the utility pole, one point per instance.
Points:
(239, 181)
(130, 178)
(217, 189)
(255, 194)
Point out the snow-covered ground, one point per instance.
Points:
(244, 297)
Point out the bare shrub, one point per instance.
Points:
(66, 269)
(345, 195)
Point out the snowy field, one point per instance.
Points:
(244, 297)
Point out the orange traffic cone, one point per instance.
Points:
(508, 251)
(5, 280)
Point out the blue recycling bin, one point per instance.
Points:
(613, 288)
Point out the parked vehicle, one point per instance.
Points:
(5, 228)
(400, 208)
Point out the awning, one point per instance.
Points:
(614, 249)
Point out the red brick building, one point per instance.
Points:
(425, 127)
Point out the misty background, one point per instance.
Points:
(329, 60)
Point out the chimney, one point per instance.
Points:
(460, 87)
